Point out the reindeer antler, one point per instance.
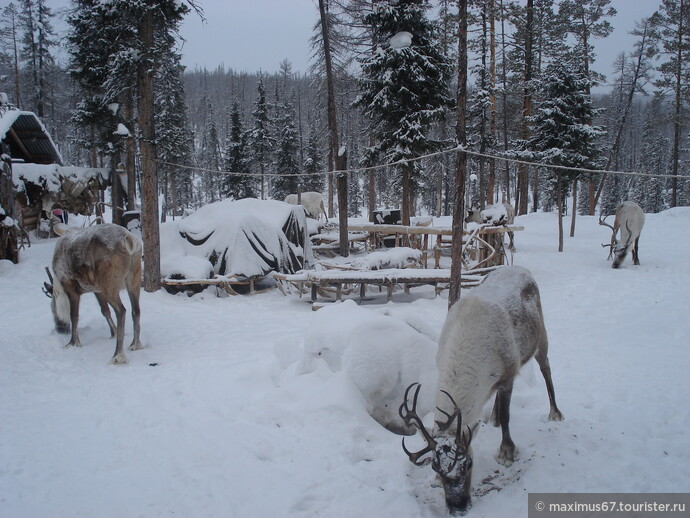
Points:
(409, 415)
(48, 288)
(603, 222)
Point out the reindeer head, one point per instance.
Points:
(616, 248)
(452, 455)
(58, 304)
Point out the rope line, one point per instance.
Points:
(457, 149)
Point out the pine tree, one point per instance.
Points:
(9, 52)
(261, 141)
(237, 161)
(286, 154)
(35, 20)
(312, 181)
(673, 22)
(404, 88)
(210, 154)
(173, 137)
(562, 133)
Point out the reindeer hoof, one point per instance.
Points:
(555, 415)
(73, 344)
(135, 346)
(118, 359)
(506, 454)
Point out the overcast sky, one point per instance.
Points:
(248, 35)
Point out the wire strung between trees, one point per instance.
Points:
(457, 149)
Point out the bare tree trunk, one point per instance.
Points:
(341, 163)
(626, 112)
(523, 172)
(405, 205)
(461, 168)
(372, 194)
(332, 115)
(116, 189)
(677, 116)
(149, 214)
(505, 100)
(559, 198)
(130, 150)
(492, 95)
(572, 216)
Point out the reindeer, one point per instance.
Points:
(312, 203)
(488, 335)
(102, 259)
(630, 220)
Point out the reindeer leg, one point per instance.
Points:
(543, 361)
(119, 308)
(636, 258)
(134, 301)
(105, 311)
(506, 452)
(74, 318)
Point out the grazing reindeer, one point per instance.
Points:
(103, 259)
(488, 335)
(629, 220)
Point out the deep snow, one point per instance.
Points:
(225, 414)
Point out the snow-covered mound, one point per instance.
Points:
(380, 354)
(247, 238)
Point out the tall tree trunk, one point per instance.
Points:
(461, 167)
(371, 191)
(523, 172)
(341, 179)
(573, 215)
(332, 115)
(149, 214)
(492, 95)
(559, 202)
(504, 95)
(130, 150)
(678, 108)
(406, 197)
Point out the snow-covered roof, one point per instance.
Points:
(27, 137)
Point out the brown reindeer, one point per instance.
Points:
(103, 259)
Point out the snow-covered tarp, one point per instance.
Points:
(245, 238)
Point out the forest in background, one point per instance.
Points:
(266, 124)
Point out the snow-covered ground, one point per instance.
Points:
(231, 411)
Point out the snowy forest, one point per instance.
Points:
(526, 59)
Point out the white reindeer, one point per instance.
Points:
(629, 220)
(102, 259)
(312, 203)
(488, 335)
